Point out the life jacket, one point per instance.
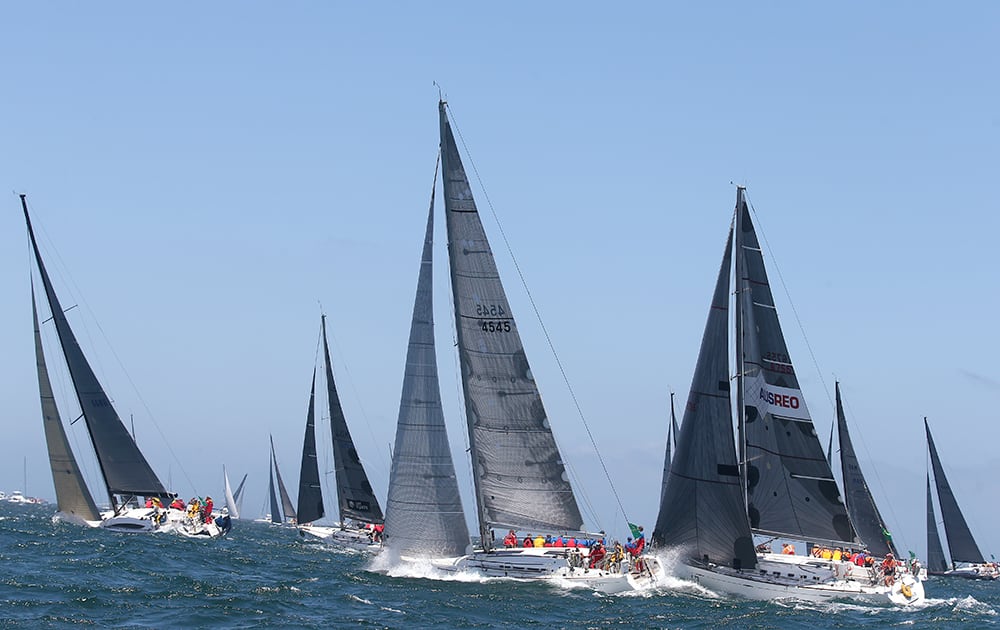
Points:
(558, 542)
(528, 542)
(571, 542)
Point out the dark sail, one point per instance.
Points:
(354, 492)
(286, 501)
(72, 495)
(423, 510)
(936, 562)
(702, 507)
(671, 440)
(961, 545)
(865, 517)
(310, 492)
(122, 464)
(790, 487)
(275, 508)
(521, 481)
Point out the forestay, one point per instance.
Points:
(521, 481)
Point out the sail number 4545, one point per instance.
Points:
(489, 326)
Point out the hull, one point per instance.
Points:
(809, 579)
(973, 572)
(559, 565)
(357, 539)
(151, 520)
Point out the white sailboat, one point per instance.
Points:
(781, 486)
(520, 480)
(126, 473)
(361, 520)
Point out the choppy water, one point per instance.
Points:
(58, 574)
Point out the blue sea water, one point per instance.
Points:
(60, 574)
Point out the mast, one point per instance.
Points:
(741, 287)
(123, 466)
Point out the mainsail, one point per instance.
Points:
(961, 545)
(275, 508)
(861, 506)
(936, 562)
(310, 492)
(702, 506)
(126, 472)
(355, 496)
(790, 487)
(72, 495)
(234, 512)
(286, 502)
(423, 511)
(519, 475)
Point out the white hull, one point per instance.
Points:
(351, 538)
(150, 520)
(552, 564)
(973, 572)
(805, 578)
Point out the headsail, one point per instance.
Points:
(936, 562)
(423, 511)
(126, 471)
(286, 502)
(310, 492)
(790, 487)
(520, 478)
(861, 506)
(238, 495)
(702, 506)
(275, 507)
(671, 442)
(234, 512)
(72, 495)
(961, 545)
(355, 496)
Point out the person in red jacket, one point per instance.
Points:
(510, 540)
(206, 515)
(597, 553)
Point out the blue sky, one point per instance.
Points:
(203, 176)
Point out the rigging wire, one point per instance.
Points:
(545, 331)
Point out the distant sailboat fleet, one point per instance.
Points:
(725, 497)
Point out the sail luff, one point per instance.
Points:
(423, 511)
(286, 501)
(702, 509)
(521, 480)
(864, 514)
(72, 495)
(355, 497)
(310, 499)
(961, 544)
(123, 466)
(790, 486)
(936, 562)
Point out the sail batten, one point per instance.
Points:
(123, 466)
(310, 499)
(72, 495)
(355, 497)
(961, 545)
(790, 487)
(865, 516)
(702, 508)
(423, 510)
(520, 477)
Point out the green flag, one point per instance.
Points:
(912, 555)
(886, 534)
(635, 530)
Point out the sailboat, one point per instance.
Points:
(283, 511)
(966, 559)
(232, 503)
(126, 473)
(781, 486)
(520, 480)
(360, 515)
(423, 513)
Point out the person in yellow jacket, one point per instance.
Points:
(837, 554)
(826, 554)
(539, 541)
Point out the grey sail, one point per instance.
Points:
(310, 493)
(671, 441)
(286, 501)
(867, 521)
(126, 471)
(423, 510)
(936, 562)
(238, 495)
(961, 545)
(72, 495)
(275, 508)
(702, 509)
(355, 496)
(521, 481)
(790, 487)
